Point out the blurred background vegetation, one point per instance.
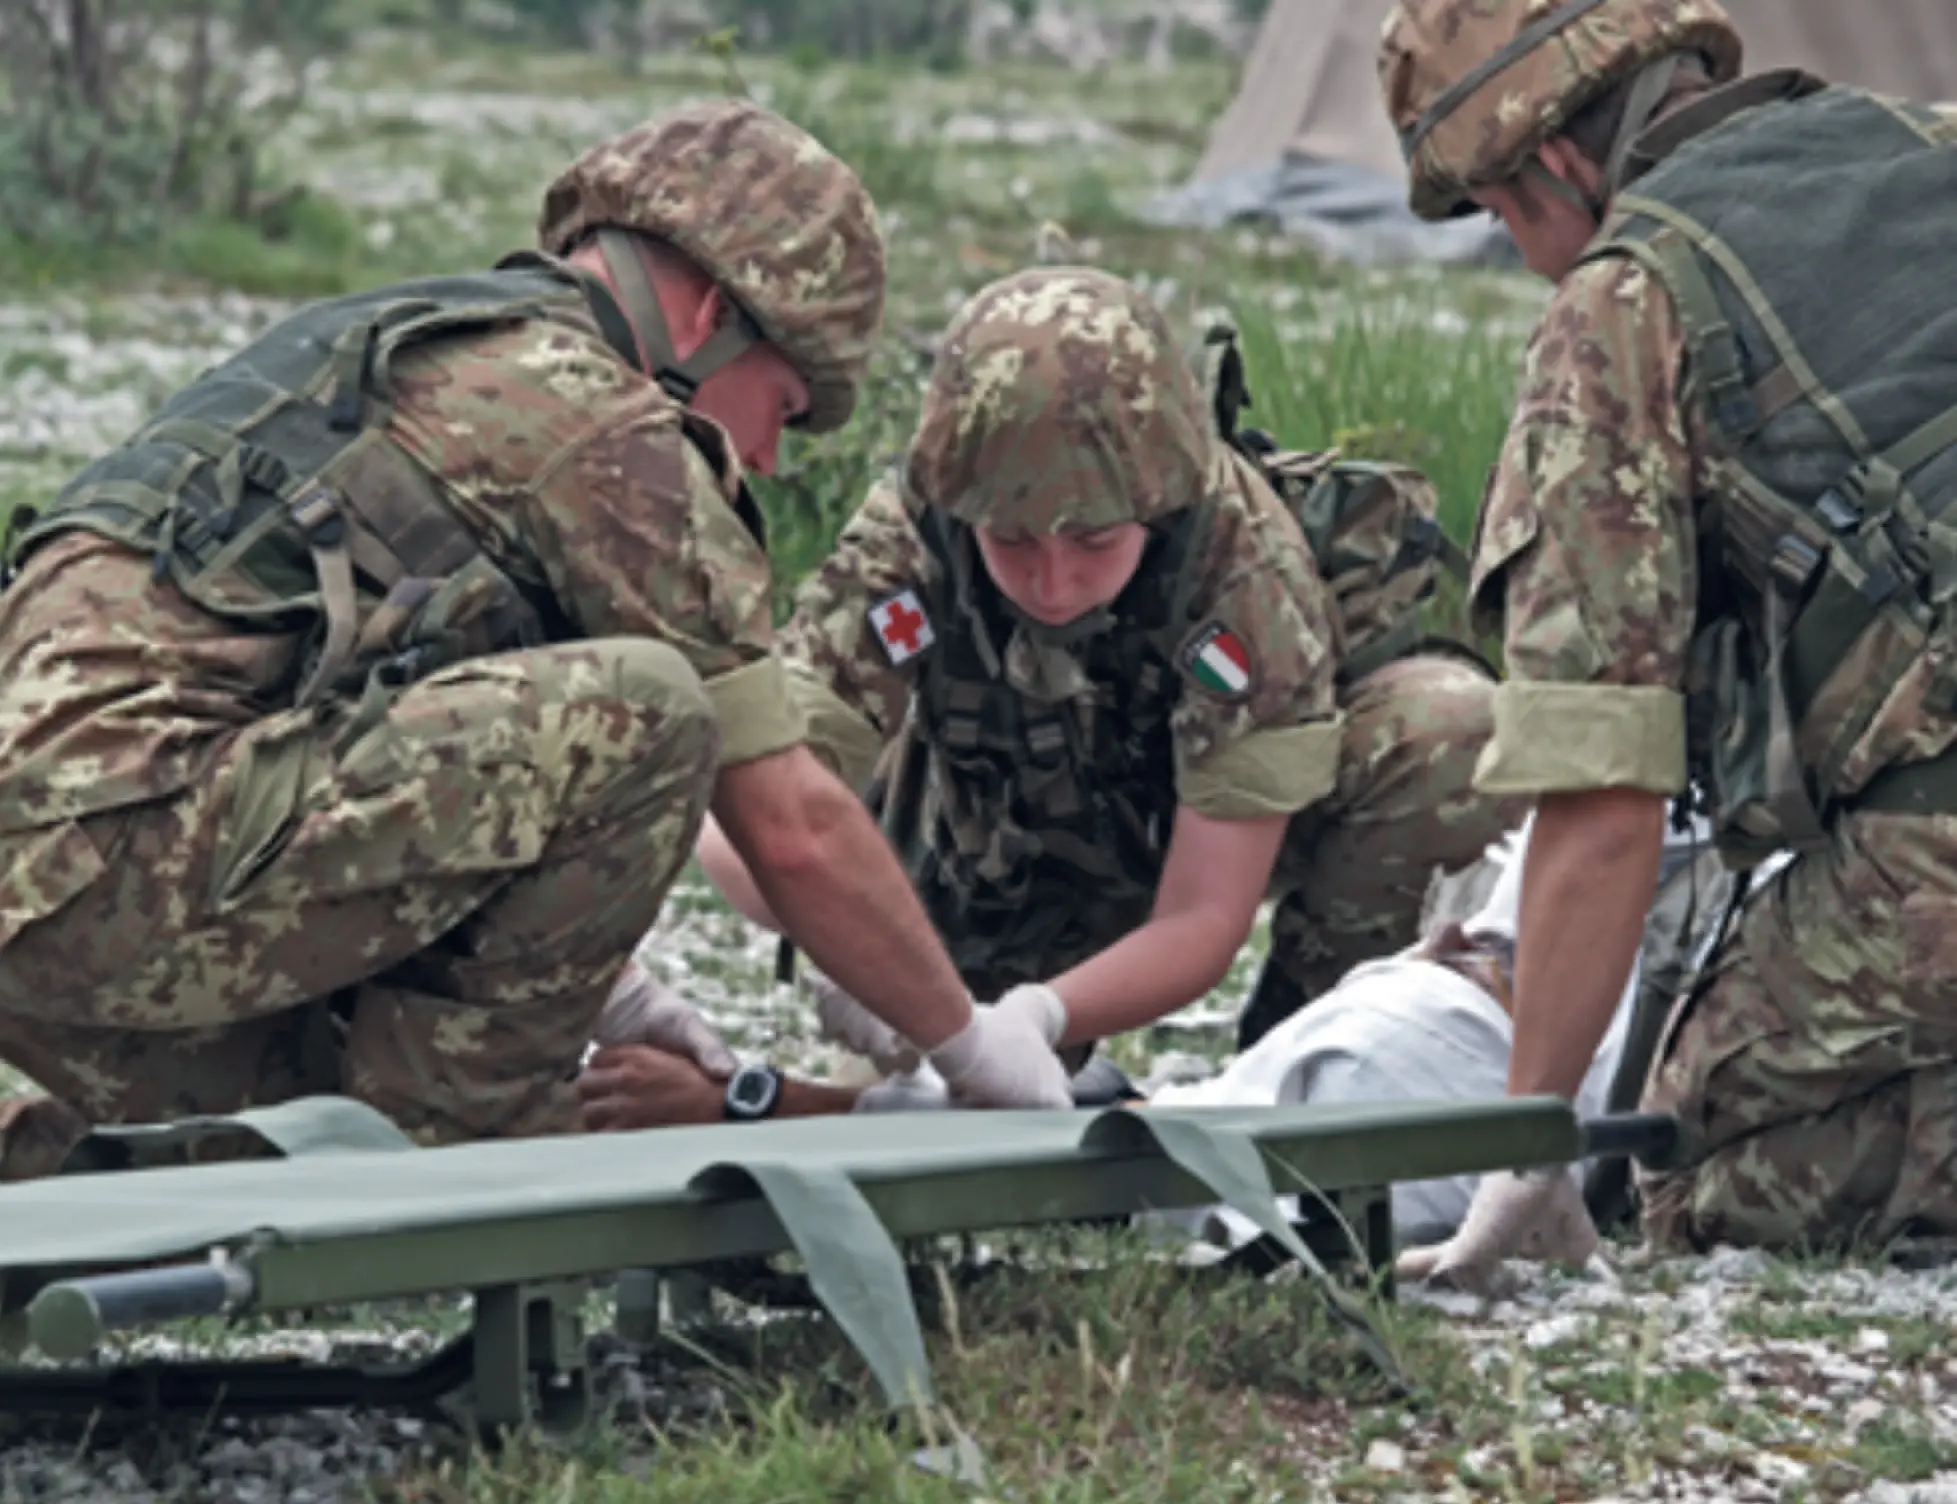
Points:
(281, 149)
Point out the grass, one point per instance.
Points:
(1408, 379)
(1125, 1381)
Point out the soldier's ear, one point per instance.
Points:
(700, 321)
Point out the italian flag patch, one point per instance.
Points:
(1217, 659)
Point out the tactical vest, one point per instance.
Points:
(268, 492)
(1826, 364)
(1373, 526)
(1034, 833)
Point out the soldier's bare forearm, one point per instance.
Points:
(1591, 869)
(725, 869)
(828, 875)
(852, 910)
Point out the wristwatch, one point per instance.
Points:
(753, 1093)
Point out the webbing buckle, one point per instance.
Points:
(316, 512)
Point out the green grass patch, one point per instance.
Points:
(312, 247)
(1408, 378)
(1910, 1339)
(1901, 1450)
(1092, 1372)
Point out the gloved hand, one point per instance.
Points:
(1004, 1056)
(847, 1022)
(921, 1090)
(644, 1010)
(1040, 1006)
(1532, 1214)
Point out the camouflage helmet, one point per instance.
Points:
(782, 226)
(1474, 87)
(1060, 400)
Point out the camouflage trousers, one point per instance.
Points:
(427, 917)
(1353, 873)
(1814, 1069)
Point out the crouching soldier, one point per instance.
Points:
(1719, 542)
(1092, 679)
(357, 713)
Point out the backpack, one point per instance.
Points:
(1373, 526)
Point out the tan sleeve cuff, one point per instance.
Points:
(845, 741)
(1275, 772)
(1569, 738)
(756, 712)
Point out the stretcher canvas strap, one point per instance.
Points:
(1228, 1162)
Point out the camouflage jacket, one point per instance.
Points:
(1235, 717)
(571, 469)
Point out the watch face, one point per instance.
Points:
(752, 1090)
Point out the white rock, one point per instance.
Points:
(1863, 1412)
(1385, 1456)
(1555, 1330)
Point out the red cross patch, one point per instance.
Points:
(901, 626)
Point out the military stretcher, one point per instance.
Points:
(351, 1212)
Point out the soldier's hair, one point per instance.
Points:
(1593, 127)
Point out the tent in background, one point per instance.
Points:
(1306, 144)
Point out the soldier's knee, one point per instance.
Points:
(1456, 698)
(670, 716)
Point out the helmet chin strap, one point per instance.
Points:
(631, 281)
(1646, 94)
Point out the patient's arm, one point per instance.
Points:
(636, 1086)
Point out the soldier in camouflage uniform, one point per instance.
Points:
(1082, 661)
(1718, 534)
(358, 712)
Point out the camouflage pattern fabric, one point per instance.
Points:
(760, 206)
(1059, 399)
(187, 878)
(472, 871)
(1586, 547)
(1816, 1070)
(983, 830)
(1813, 1070)
(1354, 871)
(1428, 48)
(1057, 402)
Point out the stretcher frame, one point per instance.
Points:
(839, 1192)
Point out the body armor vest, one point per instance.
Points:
(1800, 244)
(268, 492)
(1035, 832)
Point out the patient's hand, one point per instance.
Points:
(635, 1086)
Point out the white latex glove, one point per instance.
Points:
(847, 1022)
(644, 1010)
(1040, 1006)
(1004, 1056)
(921, 1090)
(1531, 1214)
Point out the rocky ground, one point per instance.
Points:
(1729, 1377)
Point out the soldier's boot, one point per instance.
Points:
(1275, 998)
(36, 1134)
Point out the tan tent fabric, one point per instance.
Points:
(1309, 87)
